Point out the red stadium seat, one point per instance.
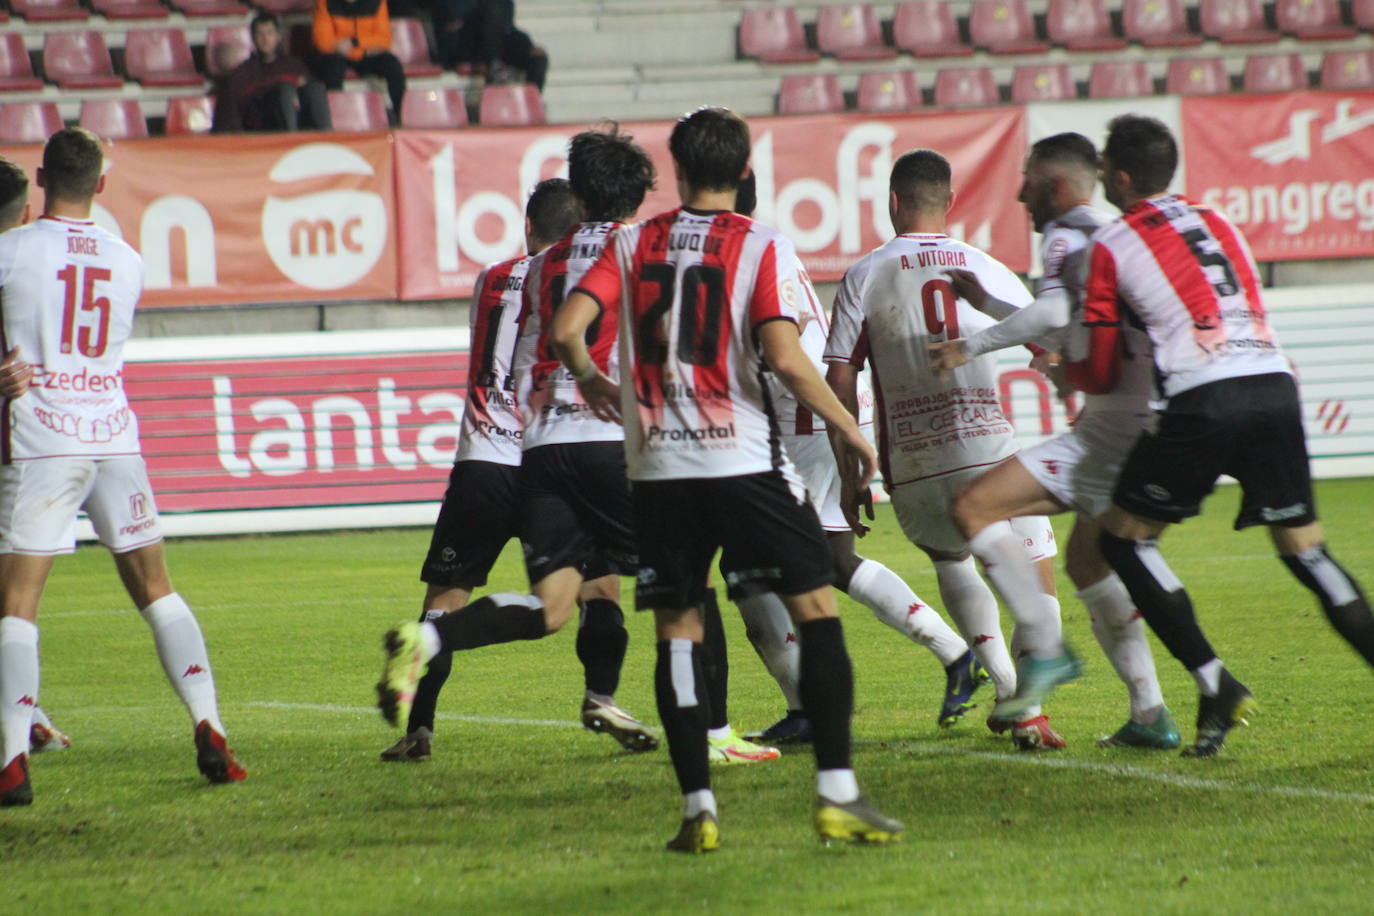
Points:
(773, 35)
(130, 9)
(410, 46)
(850, 31)
(1347, 70)
(1235, 22)
(434, 109)
(1081, 25)
(1121, 79)
(206, 8)
(356, 110)
(1157, 24)
(16, 70)
(49, 10)
(226, 46)
(1197, 76)
(29, 122)
(926, 28)
(1362, 14)
(189, 114)
(891, 91)
(285, 7)
(1312, 20)
(964, 87)
(160, 57)
(510, 106)
(815, 94)
(114, 119)
(1274, 73)
(1043, 83)
(79, 60)
(1004, 27)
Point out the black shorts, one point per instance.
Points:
(768, 534)
(575, 510)
(479, 515)
(1248, 427)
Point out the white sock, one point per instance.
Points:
(1004, 560)
(693, 803)
(971, 605)
(769, 628)
(723, 732)
(1121, 633)
(1208, 677)
(181, 648)
(41, 718)
(429, 638)
(18, 684)
(894, 603)
(837, 785)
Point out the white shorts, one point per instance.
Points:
(924, 510)
(815, 463)
(39, 500)
(1080, 468)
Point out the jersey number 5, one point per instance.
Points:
(939, 306)
(90, 339)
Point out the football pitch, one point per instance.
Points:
(521, 811)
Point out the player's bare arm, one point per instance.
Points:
(15, 376)
(570, 323)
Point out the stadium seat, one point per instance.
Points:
(850, 31)
(189, 114)
(79, 60)
(1120, 79)
(29, 122)
(1004, 27)
(409, 44)
(926, 28)
(814, 94)
(1274, 73)
(1312, 20)
(16, 70)
(1081, 25)
(114, 119)
(160, 57)
(964, 87)
(130, 9)
(49, 10)
(207, 8)
(1197, 76)
(357, 110)
(285, 7)
(1235, 22)
(1157, 24)
(1347, 70)
(434, 109)
(226, 46)
(510, 106)
(1362, 14)
(1043, 83)
(773, 35)
(897, 90)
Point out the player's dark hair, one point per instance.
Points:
(14, 193)
(711, 147)
(747, 195)
(609, 173)
(553, 209)
(1066, 148)
(921, 179)
(1144, 149)
(261, 18)
(72, 160)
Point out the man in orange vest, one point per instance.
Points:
(356, 34)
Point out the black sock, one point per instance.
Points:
(491, 620)
(601, 642)
(683, 708)
(427, 693)
(1341, 597)
(715, 661)
(827, 690)
(1165, 605)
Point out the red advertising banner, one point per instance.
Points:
(1294, 172)
(822, 180)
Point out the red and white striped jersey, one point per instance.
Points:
(554, 409)
(492, 424)
(1183, 272)
(891, 305)
(691, 286)
(68, 290)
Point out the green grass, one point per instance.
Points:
(529, 815)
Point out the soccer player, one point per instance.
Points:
(1230, 407)
(938, 434)
(69, 290)
(699, 292)
(1078, 469)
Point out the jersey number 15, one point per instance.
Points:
(79, 282)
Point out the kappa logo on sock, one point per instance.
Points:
(193, 669)
(26, 700)
(1051, 465)
(981, 638)
(915, 606)
(791, 637)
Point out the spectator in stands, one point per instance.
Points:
(357, 34)
(271, 90)
(481, 35)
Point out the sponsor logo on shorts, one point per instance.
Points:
(141, 526)
(1157, 493)
(1278, 515)
(447, 554)
(646, 576)
(138, 506)
(753, 575)
(1051, 466)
